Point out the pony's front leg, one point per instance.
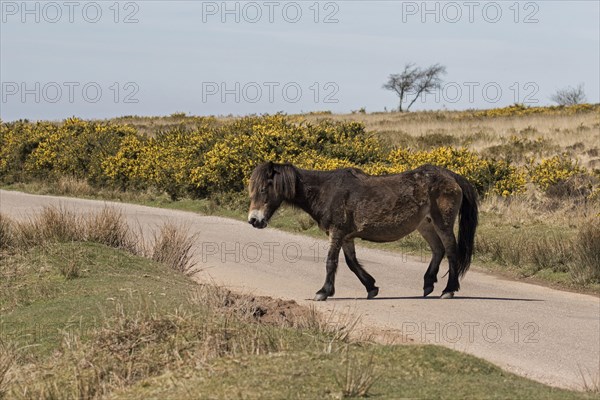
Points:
(359, 271)
(328, 289)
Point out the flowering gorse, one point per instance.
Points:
(521, 109)
(211, 157)
(551, 171)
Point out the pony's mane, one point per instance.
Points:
(283, 176)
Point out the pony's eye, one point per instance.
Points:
(263, 190)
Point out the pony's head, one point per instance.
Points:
(270, 185)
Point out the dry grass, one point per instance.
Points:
(358, 376)
(172, 246)
(590, 383)
(75, 187)
(535, 207)
(71, 186)
(135, 345)
(108, 227)
(545, 223)
(579, 133)
(532, 247)
(587, 251)
(70, 269)
(51, 224)
(6, 233)
(120, 353)
(534, 232)
(8, 358)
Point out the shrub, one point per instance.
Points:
(164, 161)
(17, 141)
(76, 148)
(553, 170)
(519, 148)
(213, 158)
(521, 109)
(249, 141)
(507, 179)
(124, 168)
(580, 185)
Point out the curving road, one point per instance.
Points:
(541, 333)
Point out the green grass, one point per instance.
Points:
(37, 301)
(130, 328)
(416, 372)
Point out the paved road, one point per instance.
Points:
(541, 333)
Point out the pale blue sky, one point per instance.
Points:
(180, 56)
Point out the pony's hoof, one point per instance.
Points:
(427, 291)
(320, 297)
(447, 295)
(372, 293)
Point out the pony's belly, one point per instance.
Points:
(389, 226)
(386, 233)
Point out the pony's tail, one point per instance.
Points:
(468, 219)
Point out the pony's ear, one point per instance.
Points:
(270, 169)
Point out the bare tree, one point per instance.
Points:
(403, 83)
(569, 96)
(415, 81)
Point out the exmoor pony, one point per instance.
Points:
(349, 204)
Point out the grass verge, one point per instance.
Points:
(128, 327)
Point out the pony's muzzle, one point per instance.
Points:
(257, 220)
(257, 224)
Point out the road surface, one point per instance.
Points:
(544, 334)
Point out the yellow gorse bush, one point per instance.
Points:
(17, 141)
(249, 141)
(552, 170)
(521, 109)
(213, 157)
(74, 148)
(164, 161)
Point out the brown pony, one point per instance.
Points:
(349, 204)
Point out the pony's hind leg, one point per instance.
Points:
(449, 240)
(443, 214)
(367, 280)
(451, 247)
(427, 230)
